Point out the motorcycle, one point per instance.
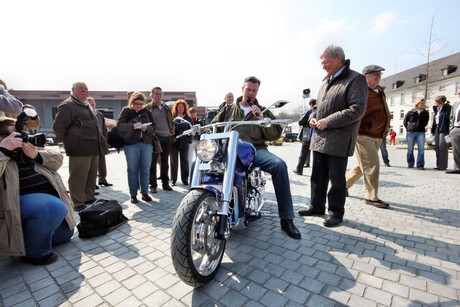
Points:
(226, 191)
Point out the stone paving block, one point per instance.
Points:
(233, 298)
(108, 287)
(17, 299)
(119, 296)
(273, 298)
(413, 282)
(361, 301)
(443, 290)
(337, 295)
(297, 294)
(311, 285)
(318, 300)
(379, 296)
(370, 280)
(422, 296)
(329, 279)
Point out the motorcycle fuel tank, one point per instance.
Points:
(246, 153)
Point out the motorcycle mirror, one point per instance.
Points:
(280, 103)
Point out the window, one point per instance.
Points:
(414, 96)
(397, 84)
(401, 114)
(392, 101)
(403, 97)
(401, 129)
(420, 78)
(391, 115)
(448, 70)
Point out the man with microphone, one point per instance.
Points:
(247, 108)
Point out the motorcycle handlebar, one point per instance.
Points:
(212, 128)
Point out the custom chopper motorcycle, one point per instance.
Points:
(226, 190)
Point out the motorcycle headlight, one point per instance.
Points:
(206, 150)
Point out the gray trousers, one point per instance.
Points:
(455, 137)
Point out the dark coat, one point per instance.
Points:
(77, 126)
(415, 122)
(444, 119)
(128, 117)
(342, 103)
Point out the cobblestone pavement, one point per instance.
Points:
(406, 256)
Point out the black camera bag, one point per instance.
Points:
(99, 218)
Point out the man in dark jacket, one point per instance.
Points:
(305, 137)
(374, 126)
(77, 126)
(102, 166)
(415, 122)
(341, 104)
(268, 162)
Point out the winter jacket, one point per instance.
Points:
(444, 119)
(376, 120)
(183, 142)
(11, 235)
(415, 122)
(77, 126)
(251, 133)
(342, 103)
(128, 117)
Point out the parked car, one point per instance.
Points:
(290, 137)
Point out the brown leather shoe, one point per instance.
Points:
(378, 203)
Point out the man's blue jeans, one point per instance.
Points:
(276, 167)
(412, 138)
(138, 159)
(43, 223)
(384, 151)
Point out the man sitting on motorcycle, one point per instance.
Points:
(247, 108)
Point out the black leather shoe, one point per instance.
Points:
(310, 212)
(453, 172)
(106, 184)
(96, 187)
(185, 182)
(146, 197)
(96, 193)
(50, 258)
(298, 173)
(153, 190)
(134, 200)
(331, 221)
(292, 231)
(167, 187)
(378, 203)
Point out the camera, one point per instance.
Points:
(38, 139)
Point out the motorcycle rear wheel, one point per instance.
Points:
(195, 250)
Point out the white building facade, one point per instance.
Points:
(439, 77)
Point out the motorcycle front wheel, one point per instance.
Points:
(195, 250)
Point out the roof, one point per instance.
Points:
(435, 74)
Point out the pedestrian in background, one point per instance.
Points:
(162, 116)
(374, 126)
(415, 122)
(392, 137)
(440, 129)
(342, 102)
(305, 137)
(102, 166)
(384, 152)
(228, 100)
(77, 126)
(137, 127)
(455, 135)
(180, 147)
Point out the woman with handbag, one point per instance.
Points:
(440, 130)
(136, 125)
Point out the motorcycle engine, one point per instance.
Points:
(256, 189)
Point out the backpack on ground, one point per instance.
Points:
(115, 139)
(99, 218)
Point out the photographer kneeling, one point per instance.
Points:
(35, 210)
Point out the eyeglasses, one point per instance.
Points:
(140, 104)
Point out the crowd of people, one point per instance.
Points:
(350, 116)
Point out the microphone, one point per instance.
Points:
(249, 101)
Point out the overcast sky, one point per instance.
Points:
(210, 46)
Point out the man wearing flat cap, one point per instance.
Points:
(374, 126)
